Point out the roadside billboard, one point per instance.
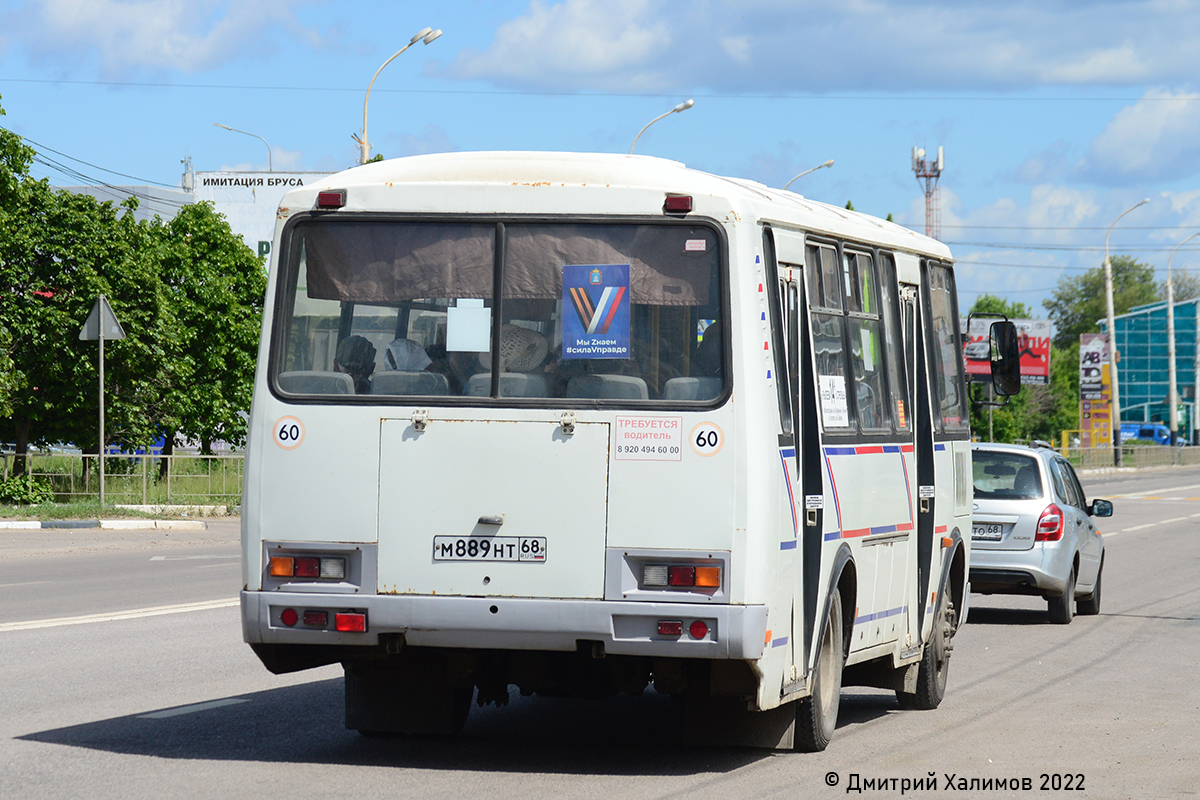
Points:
(1095, 391)
(249, 200)
(1033, 336)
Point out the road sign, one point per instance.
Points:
(102, 320)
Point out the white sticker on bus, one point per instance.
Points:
(289, 432)
(706, 439)
(648, 439)
(835, 412)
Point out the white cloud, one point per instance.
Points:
(1154, 139)
(153, 35)
(432, 139)
(839, 45)
(600, 42)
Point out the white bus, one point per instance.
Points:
(588, 423)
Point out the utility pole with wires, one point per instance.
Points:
(929, 172)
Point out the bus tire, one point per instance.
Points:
(935, 663)
(816, 715)
(1091, 604)
(1060, 609)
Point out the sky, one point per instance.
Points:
(1056, 116)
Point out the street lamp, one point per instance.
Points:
(1172, 388)
(1114, 413)
(684, 106)
(426, 35)
(828, 163)
(270, 166)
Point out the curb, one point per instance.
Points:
(106, 524)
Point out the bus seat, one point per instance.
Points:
(310, 381)
(512, 384)
(608, 387)
(409, 383)
(691, 388)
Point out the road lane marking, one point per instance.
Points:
(192, 709)
(1146, 494)
(113, 616)
(1177, 519)
(26, 583)
(192, 558)
(1140, 527)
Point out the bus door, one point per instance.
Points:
(923, 490)
(800, 445)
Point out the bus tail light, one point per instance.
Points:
(289, 617)
(308, 567)
(698, 629)
(316, 619)
(1050, 525)
(683, 576)
(350, 622)
(654, 575)
(331, 199)
(677, 204)
(670, 627)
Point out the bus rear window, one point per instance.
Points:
(589, 312)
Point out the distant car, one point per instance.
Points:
(978, 351)
(1032, 530)
(1145, 432)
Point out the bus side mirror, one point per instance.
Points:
(1006, 358)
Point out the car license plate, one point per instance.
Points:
(489, 548)
(987, 533)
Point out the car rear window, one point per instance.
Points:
(1006, 476)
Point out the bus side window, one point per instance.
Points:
(897, 372)
(777, 333)
(945, 348)
(866, 343)
(829, 355)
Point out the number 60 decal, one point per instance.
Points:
(706, 439)
(289, 433)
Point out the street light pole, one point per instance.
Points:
(426, 35)
(828, 163)
(684, 106)
(1172, 387)
(1114, 413)
(270, 163)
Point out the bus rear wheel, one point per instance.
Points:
(816, 715)
(935, 663)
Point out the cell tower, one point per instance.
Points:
(930, 171)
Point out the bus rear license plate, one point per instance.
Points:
(489, 548)
(987, 533)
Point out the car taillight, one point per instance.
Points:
(1050, 525)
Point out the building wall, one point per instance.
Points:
(1141, 340)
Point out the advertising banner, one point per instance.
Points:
(1033, 336)
(1095, 391)
(599, 324)
(250, 200)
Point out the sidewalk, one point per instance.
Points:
(106, 524)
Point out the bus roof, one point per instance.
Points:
(611, 170)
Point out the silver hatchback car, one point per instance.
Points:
(1032, 530)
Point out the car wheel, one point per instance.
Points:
(1061, 608)
(1091, 604)
(935, 664)
(816, 715)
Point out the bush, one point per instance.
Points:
(23, 490)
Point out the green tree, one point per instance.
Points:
(991, 304)
(215, 284)
(1184, 286)
(1078, 303)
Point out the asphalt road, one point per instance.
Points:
(155, 704)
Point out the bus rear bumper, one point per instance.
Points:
(505, 623)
